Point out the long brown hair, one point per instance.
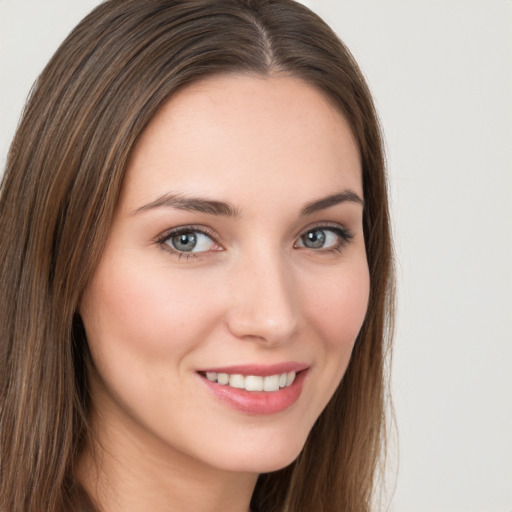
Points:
(59, 192)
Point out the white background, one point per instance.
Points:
(441, 74)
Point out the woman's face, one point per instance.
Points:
(224, 310)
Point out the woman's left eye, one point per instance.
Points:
(188, 241)
(324, 238)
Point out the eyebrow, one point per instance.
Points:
(193, 204)
(212, 207)
(332, 200)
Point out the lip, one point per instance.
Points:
(258, 369)
(258, 402)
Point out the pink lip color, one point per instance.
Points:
(258, 402)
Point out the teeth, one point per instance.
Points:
(223, 378)
(212, 376)
(253, 382)
(237, 381)
(271, 383)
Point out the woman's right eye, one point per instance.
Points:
(188, 241)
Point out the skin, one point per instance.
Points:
(256, 294)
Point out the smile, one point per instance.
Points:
(270, 383)
(257, 389)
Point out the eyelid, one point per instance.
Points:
(334, 226)
(163, 237)
(345, 235)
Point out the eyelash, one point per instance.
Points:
(167, 235)
(343, 234)
(344, 237)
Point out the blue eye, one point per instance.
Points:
(188, 241)
(324, 238)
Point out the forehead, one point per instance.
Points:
(239, 134)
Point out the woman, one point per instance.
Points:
(196, 267)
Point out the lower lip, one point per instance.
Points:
(258, 402)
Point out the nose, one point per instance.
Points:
(262, 304)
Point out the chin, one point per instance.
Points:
(263, 457)
(278, 463)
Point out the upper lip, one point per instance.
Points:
(258, 369)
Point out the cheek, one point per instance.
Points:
(339, 307)
(334, 312)
(141, 324)
(136, 315)
(337, 310)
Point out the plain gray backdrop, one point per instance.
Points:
(441, 74)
